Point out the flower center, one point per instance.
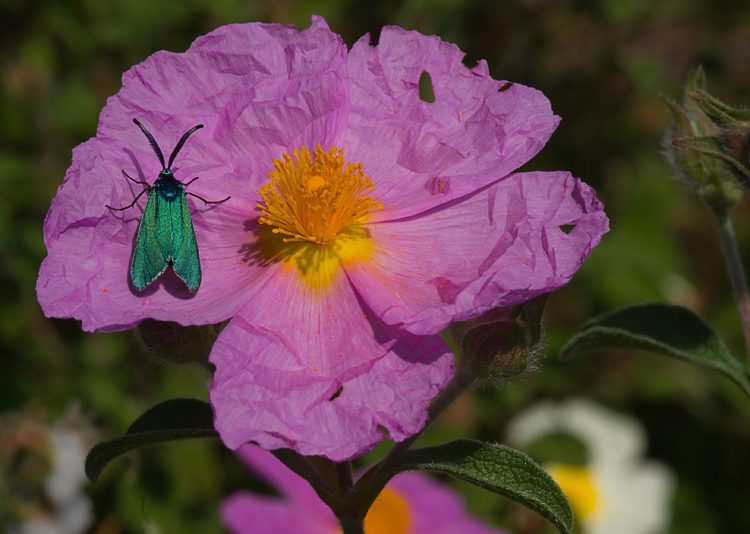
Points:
(313, 197)
(575, 482)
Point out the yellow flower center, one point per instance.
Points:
(389, 514)
(315, 197)
(577, 485)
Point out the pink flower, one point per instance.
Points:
(333, 339)
(412, 503)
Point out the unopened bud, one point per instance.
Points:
(499, 343)
(707, 145)
(175, 343)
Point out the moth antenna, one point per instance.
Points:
(153, 143)
(182, 142)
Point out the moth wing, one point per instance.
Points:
(185, 259)
(153, 243)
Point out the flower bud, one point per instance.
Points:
(175, 343)
(707, 145)
(499, 343)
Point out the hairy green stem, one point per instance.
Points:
(303, 466)
(461, 381)
(344, 478)
(352, 525)
(349, 524)
(353, 506)
(737, 274)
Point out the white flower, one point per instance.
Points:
(70, 510)
(617, 491)
(64, 484)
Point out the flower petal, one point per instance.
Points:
(298, 509)
(637, 498)
(421, 154)
(297, 75)
(432, 507)
(633, 494)
(289, 484)
(314, 370)
(436, 509)
(498, 247)
(250, 513)
(609, 438)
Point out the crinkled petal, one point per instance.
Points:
(316, 371)
(498, 247)
(260, 90)
(421, 154)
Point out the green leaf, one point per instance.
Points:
(170, 420)
(496, 468)
(661, 328)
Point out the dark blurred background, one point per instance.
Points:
(603, 65)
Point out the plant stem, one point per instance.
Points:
(460, 382)
(360, 499)
(351, 525)
(737, 274)
(344, 478)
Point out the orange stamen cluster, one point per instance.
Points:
(314, 197)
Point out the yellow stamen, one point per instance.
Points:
(578, 487)
(315, 197)
(315, 182)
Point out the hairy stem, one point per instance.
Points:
(461, 381)
(737, 275)
(352, 525)
(349, 524)
(344, 478)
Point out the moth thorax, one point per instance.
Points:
(313, 197)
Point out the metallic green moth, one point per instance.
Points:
(165, 234)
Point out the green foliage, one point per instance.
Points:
(662, 328)
(498, 469)
(171, 420)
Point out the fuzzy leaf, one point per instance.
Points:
(495, 468)
(173, 419)
(661, 328)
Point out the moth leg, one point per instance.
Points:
(190, 182)
(207, 201)
(131, 204)
(136, 181)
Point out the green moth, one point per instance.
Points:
(165, 234)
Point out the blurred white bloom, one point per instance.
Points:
(617, 491)
(64, 484)
(61, 506)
